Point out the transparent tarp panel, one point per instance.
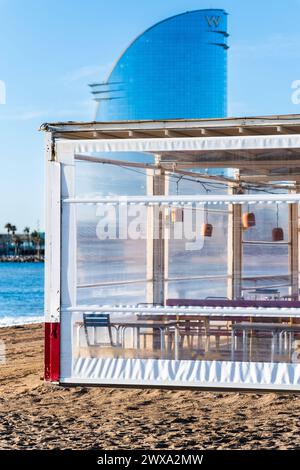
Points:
(266, 262)
(94, 179)
(185, 337)
(213, 257)
(194, 263)
(216, 250)
(109, 269)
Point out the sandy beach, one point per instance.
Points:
(34, 415)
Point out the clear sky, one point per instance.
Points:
(51, 50)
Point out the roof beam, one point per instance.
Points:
(171, 133)
(287, 130)
(244, 130)
(212, 132)
(104, 135)
(141, 135)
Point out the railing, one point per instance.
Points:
(191, 311)
(197, 199)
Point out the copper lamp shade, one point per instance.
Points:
(277, 234)
(206, 230)
(249, 220)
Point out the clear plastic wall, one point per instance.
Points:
(162, 281)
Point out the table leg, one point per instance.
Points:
(169, 333)
(199, 336)
(285, 341)
(292, 341)
(123, 333)
(162, 339)
(123, 336)
(217, 339)
(78, 335)
(280, 342)
(119, 341)
(207, 339)
(176, 342)
(232, 344)
(207, 342)
(244, 345)
(273, 347)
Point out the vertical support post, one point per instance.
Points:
(155, 239)
(293, 222)
(149, 242)
(235, 249)
(65, 155)
(166, 241)
(52, 263)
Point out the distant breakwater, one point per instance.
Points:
(21, 259)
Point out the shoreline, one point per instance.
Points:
(21, 259)
(20, 321)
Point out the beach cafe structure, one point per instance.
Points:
(172, 253)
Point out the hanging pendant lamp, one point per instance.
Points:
(248, 219)
(277, 232)
(177, 212)
(206, 229)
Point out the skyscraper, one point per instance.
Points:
(175, 69)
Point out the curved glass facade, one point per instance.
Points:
(176, 69)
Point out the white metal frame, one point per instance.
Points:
(181, 200)
(190, 311)
(53, 238)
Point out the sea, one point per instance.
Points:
(21, 293)
(22, 284)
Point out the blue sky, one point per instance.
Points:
(50, 51)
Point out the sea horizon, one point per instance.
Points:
(21, 293)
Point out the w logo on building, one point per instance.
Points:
(213, 20)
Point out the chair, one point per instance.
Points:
(95, 321)
(187, 331)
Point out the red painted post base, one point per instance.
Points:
(52, 351)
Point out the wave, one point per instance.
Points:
(22, 320)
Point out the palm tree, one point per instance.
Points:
(8, 227)
(15, 239)
(18, 242)
(27, 232)
(35, 237)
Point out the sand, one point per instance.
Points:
(34, 415)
